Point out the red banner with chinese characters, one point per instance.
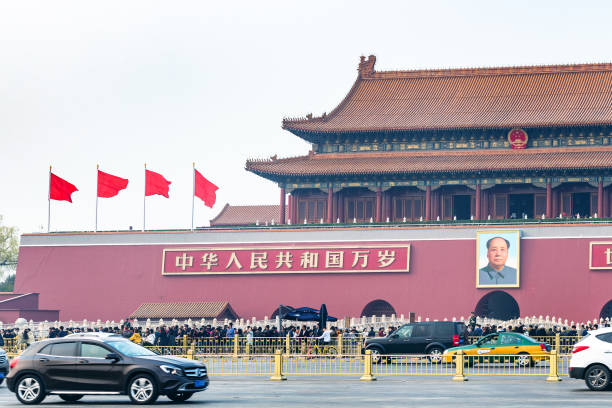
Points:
(600, 256)
(294, 259)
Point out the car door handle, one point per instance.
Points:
(83, 361)
(428, 339)
(43, 360)
(516, 346)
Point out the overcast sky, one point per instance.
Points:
(121, 83)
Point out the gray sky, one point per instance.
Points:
(121, 83)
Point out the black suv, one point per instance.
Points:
(101, 364)
(430, 338)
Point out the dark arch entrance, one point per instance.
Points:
(606, 311)
(498, 305)
(378, 307)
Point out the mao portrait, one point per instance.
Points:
(497, 259)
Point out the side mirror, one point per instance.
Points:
(113, 356)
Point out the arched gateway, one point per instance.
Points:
(378, 307)
(606, 311)
(498, 305)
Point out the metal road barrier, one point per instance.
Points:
(280, 356)
(279, 365)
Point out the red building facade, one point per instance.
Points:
(109, 275)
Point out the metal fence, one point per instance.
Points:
(279, 356)
(279, 365)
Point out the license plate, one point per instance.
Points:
(198, 383)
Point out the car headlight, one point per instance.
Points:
(445, 352)
(171, 370)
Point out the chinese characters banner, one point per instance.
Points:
(307, 259)
(601, 255)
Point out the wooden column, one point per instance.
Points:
(600, 199)
(428, 203)
(330, 205)
(548, 200)
(291, 212)
(378, 204)
(282, 206)
(386, 206)
(477, 215)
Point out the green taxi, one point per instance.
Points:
(502, 347)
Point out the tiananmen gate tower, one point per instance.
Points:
(410, 180)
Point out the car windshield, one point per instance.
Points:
(130, 349)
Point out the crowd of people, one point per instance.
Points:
(532, 330)
(173, 335)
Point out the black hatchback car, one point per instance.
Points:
(102, 364)
(430, 338)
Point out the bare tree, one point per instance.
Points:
(9, 249)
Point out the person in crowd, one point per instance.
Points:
(472, 321)
(136, 338)
(325, 338)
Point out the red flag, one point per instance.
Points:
(155, 183)
(109, 185)
(60, 189)
(205, 190)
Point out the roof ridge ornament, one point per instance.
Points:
(366, 67)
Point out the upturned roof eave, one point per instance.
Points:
(278, 176)
(301, 131)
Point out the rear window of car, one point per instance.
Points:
(66, 349)
(421, 330)
(444, 330)
(93, 350)
(607, 337)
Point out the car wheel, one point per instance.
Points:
(71, 397)
(30, 390)
(142, 390)
(376, 355)
(524, 360)
(435, 355)
(180, 396)
(331, 350)
(597, 377)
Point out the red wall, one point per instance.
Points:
(110, 282)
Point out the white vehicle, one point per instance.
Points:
(592, 359)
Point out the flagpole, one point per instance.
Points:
(49, 197)
(192, 197)
(97, 184)
(144, 200)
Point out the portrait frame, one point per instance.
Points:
(512, 264)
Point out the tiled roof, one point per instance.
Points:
(184, 310)
(556, 95)
(423, 162)
(247, 214)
